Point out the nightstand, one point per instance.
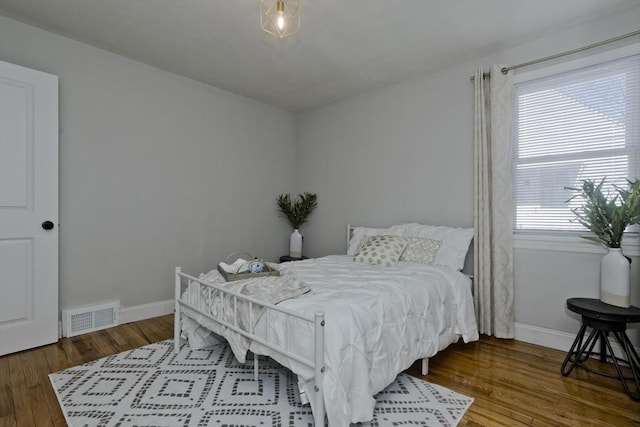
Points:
(287, 258)
(605, 320)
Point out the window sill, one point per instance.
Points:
(630, 247)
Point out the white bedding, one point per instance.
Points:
(379, 320)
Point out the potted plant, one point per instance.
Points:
(297, 212)
(607, 216)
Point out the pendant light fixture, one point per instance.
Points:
(280, 18)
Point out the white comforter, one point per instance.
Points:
(379, 320)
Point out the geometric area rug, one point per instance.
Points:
(152, 386)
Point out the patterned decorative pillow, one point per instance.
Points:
(381, 250)
(421, 250)
(364, 242)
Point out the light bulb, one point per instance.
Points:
(280, 12)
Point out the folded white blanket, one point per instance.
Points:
(238, 266)
(269, 289)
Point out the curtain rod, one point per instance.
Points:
(505, 70)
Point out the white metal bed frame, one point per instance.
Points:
(317, 320)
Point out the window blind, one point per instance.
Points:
(581, 124)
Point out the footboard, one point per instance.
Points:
(317, 364)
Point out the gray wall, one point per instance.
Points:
(155, 170)
(405, 153)
(158, 170)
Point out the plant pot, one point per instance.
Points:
(614, 278)
(295, 244)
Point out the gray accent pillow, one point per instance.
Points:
(381, 250)
(421, 250)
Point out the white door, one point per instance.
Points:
(28, 199)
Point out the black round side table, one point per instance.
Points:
(603, 319)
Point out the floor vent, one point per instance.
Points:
(80, 320)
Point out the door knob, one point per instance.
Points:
(47, 225)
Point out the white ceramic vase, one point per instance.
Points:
(295, 244)
(614, 278)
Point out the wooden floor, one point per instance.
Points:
(513, 383)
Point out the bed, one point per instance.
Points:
(351, 324)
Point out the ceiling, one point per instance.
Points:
(344, 48)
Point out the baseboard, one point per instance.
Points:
(551, 338)
(146, 311)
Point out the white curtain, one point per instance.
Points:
(493, 203)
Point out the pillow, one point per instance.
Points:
(382, 250)
(421, 250)
(359, 233)
(363, 242)
(455, 242)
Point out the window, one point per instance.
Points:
(580, 124)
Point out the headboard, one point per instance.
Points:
(468, 261)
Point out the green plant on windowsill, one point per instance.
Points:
(298, 210)
(604, 215)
